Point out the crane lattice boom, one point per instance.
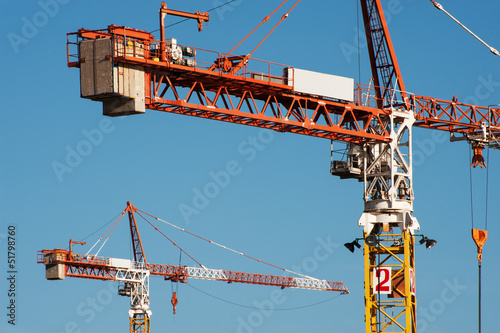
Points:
(68, 264)
(262, 94)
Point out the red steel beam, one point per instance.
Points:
(98, 268)
(270, 101)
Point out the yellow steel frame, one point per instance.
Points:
(395, 312)
(139, 323)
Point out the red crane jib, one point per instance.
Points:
(261, 93)
(69, 264)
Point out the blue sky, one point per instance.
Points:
(281, 206)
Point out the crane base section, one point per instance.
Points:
(119, 86)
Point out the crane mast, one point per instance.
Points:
(138, 72)
(387, 221)
(139, 312)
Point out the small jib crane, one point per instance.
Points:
(134, 274)
(138, 72)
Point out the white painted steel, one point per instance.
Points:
(218, 274)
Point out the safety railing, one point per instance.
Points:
(72, 50)
(267, 72)
(365, 95)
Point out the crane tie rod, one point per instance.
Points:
(113, 225)
(171, 241)
(440, 7)
(226, 248)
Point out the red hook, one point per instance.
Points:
(477, 159)
(174, 300)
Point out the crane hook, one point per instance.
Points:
(477, 159)
(174, 301)
(479, 237)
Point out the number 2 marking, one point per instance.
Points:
(382, 281)
(412, 281)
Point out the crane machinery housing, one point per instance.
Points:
(129, 70)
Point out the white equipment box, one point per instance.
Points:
(121, 263)
(326, 85)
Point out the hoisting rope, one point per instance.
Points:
(261, 308)
(487, 183)
(174, 299)
(359, 44)
(225, 247)
(478, 235)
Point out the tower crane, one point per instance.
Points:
(129, 70)
(134, 274)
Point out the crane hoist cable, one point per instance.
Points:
(359, 47)
(259, 308)
(480, 236)
(174, 300)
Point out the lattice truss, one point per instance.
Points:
(236, 100)
(388, 172)
(390, 283)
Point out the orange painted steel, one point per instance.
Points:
(138, 249)
(384, 65)
(477, 157)
(198, 16)
(266, 105)
(71, 242)
(174, 301)
(98, 268)
(454, 116)
(479, 236)
(260, 95)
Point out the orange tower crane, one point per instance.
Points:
(134, 274)
(137, 72)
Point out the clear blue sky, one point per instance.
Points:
(282, 205)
